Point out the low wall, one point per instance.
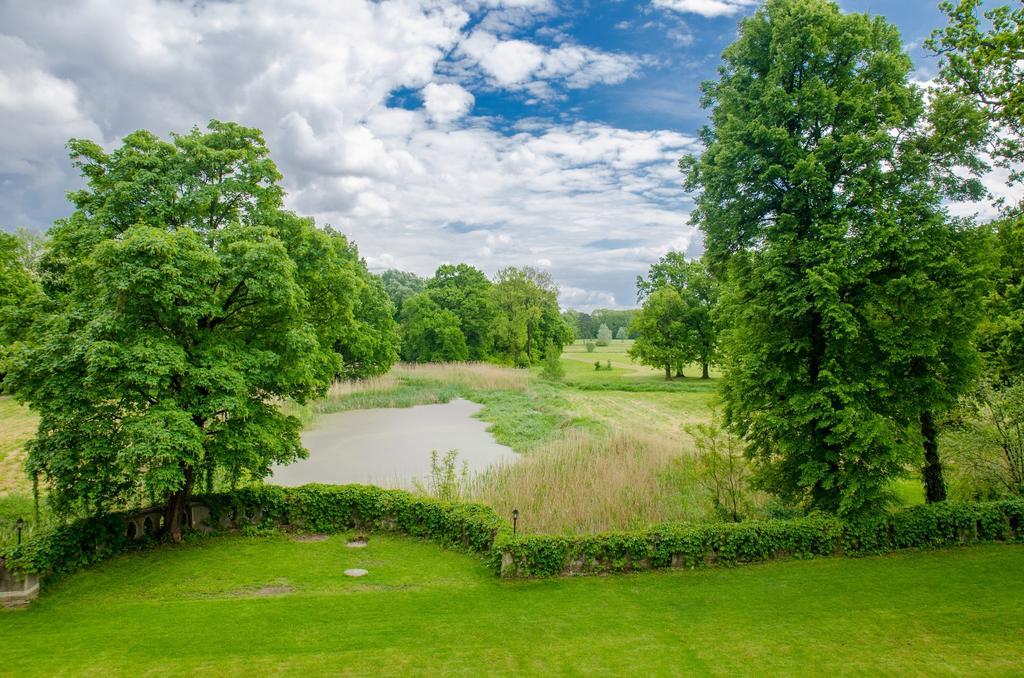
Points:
(478, 529)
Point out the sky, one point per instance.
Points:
(493, 132)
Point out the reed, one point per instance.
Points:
(586, 482)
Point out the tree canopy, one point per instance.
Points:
(819, 195)
(661, 331)
(182, 303)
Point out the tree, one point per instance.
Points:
(431, 334)
(528, 317)
(820, 196)
(661, 333)
(465, 291)
(1001, 333)
(400, 285)
(19, 294)
(622, 334)
(179, 310)
(985, 66)
(604, 335)
(699, 293)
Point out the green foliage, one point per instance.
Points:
(700, 545)
(661, 331)
(181, 303)
(431, 333)
(604, 335)
(446, 482)
(699, 293)
(590, 346)
(526, 303)
(615, 319)
(722, 468)
(466, 292)
(19, 292)
(400, 285)
(1001, 332)
(553, 362)
(849, 297)
(987, 440)
(982, 63)
(621, 334)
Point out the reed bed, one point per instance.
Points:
(586, 482)
(471, 375)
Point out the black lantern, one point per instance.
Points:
(515, 519)
(20, 524)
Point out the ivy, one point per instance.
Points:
(478, 529)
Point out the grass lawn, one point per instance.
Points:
(17, 426)
(250, 605)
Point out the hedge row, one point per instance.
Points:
(476, 528)
(312, 508)
(695, 545)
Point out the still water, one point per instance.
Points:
(391, 447)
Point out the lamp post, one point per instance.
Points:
(20, 524)
(515, 519)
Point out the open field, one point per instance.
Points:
(256, 606)
(17, 426)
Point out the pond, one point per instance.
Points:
(391, 447)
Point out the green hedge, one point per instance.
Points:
(312, 508)
(694, 545)
(476, 528)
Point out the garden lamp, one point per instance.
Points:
(515, 519)
(20, 524)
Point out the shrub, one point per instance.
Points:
(591, 346)
(604, 335)
(553, 362)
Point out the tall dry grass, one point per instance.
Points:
(473, 375)
(586, 482)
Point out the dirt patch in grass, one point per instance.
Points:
(306, 538)
(268, 591)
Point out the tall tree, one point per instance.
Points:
(400, 285)
(528, 317)
(466, 292)
(983, 62)
(180, 308)
(699, 294)
(819, 196)
(431, 334)
(661, 331)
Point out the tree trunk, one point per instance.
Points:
(668, 373)
(704, 373)
(175, 510)
(934, 484)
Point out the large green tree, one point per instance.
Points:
(698, 292)
(182, 303)
(661, 331)
(400, 285)
(528, 317)
(466, 292)
(431, 334)
(819, 194)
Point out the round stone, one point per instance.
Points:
(356, 572)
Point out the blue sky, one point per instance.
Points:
(496, 132)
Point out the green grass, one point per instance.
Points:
(197, 609)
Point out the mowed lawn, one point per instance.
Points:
(258, 606)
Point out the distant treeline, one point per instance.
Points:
(461, 314)
(587, 325)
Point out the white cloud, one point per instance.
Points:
(519, 64)
(414, 188)
(446, 102)
(706, 8)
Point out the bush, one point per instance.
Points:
(478, 529)
(591, 346)
(695, 545)
(604, 335)
(553, 362)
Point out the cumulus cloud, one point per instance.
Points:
(317, 77)
(706, 8)
(520, 64)
(446, 102)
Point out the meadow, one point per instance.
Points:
(601, 449)
(280, 604)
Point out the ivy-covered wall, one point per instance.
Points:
(478, 529)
